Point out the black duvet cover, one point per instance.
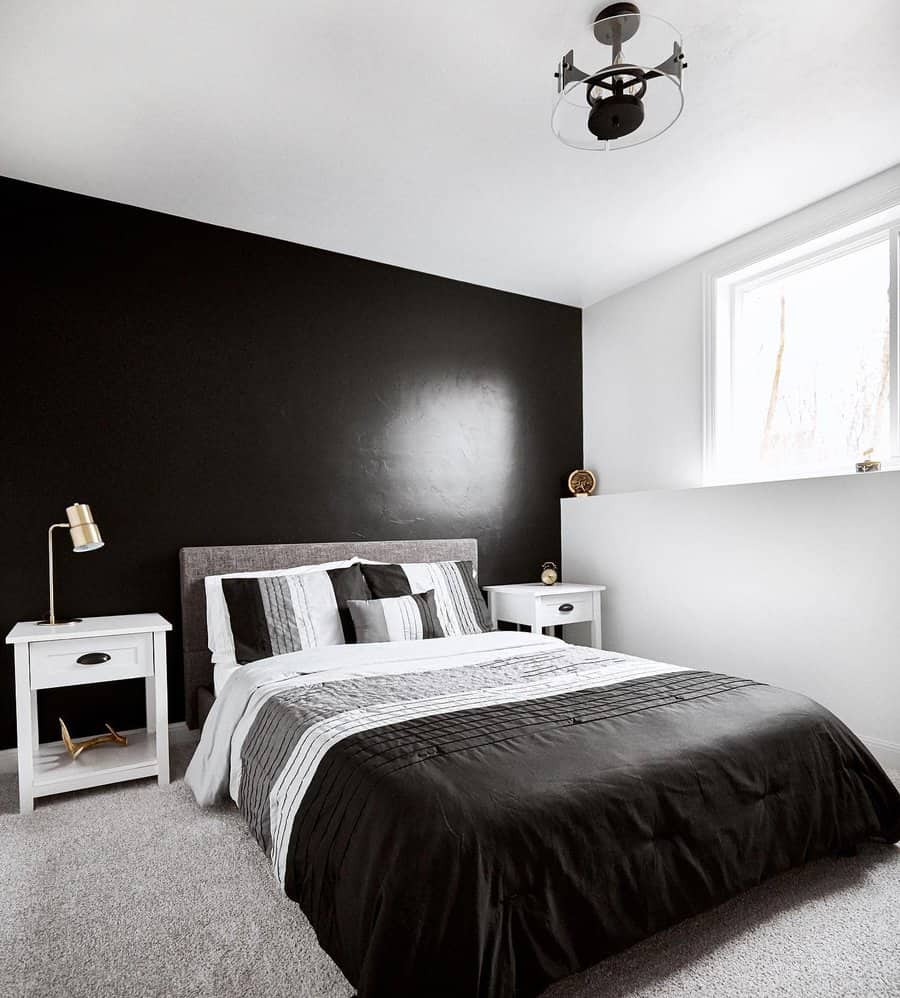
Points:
(486, 830)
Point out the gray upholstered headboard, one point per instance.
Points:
(197, 563)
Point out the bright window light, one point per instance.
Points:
(801, 375)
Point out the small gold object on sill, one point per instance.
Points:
(868, 464)
(76, 748)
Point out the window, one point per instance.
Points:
(802, 358)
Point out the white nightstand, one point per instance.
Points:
(541, 606)
(94, 650)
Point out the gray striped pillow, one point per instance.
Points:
(397, 618)
(460, 605)
(277, 614)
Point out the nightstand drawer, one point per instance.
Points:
(566, 609)
(90, 660)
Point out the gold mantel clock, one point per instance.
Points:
(582, 482)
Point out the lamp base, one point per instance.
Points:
(59, 620)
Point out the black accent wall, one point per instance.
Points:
(198, 385)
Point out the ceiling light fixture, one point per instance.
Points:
(629, 100)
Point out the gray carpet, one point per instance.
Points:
(133, 891)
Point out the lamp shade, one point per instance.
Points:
(85, 533)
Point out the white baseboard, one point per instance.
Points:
(887, 753)
(179, 734)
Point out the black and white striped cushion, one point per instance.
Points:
(396, 618)
(460, 606)
(276, 614)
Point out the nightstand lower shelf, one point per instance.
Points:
(56, 772)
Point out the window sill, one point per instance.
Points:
(713, 482)
(600, 496)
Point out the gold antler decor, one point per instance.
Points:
(76, 748)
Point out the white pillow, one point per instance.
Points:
(218, 623)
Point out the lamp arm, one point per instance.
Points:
(53, 526)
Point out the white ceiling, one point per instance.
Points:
(416, 132)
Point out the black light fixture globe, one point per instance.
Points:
(612, 107)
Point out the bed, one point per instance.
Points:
(483, 815)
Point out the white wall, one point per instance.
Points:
(643, 352)
(795, 583)
(792, 583)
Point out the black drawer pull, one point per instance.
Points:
(92, 658)
(565, 607)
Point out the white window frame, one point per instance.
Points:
(793, 255)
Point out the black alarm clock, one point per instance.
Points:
(549, 573)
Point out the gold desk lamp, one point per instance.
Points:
(85, 537)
